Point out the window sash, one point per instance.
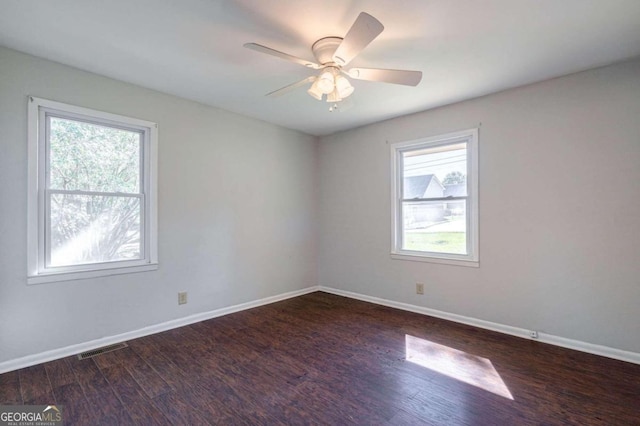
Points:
(398, 152)
(449, 198)
(96, 193)
(82, 266)
(47, 191)
(402, 229)
(47, 113)
(40, 193)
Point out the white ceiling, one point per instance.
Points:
(193, 48)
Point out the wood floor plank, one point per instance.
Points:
(403, 418)
(148, 379)
(335, 408)
(208, 402)
(322, 359)
(10, 389)
(98, 391)
(35, 386)
(109, 359)
(383, 403)
(134, 399)
(179, 412)
(76, 408)
(168, 370)
(59, 372)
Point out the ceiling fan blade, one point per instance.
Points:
(291, 87)
(281, 55)
(407, 78)
(361, 33)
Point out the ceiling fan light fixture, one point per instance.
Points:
(334, 96)
(343, 87)
(332, 54)
(326, 82)
(314, 91)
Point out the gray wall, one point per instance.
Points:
(237, 221)
(559, 200)
(239, 211)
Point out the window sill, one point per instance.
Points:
(440, 260)
(80, 275)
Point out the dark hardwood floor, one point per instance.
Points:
(324, 359)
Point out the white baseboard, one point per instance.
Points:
(578, 345)
(27, 361)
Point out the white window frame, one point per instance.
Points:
(37, 218)
(472, 259)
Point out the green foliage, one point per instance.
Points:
(439, 242)
(454, 178)
(91, 157)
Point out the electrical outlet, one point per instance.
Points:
(182, 298)
(419, 288)
(533, 334)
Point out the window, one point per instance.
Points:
(435, 199)
(92, 193)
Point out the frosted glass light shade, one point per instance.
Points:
(314, 91)
(326, 82)
(343, 87)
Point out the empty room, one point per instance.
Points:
(320, 212)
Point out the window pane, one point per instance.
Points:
(90, 229)
(434, 226)
(90, 157)
(435, 172)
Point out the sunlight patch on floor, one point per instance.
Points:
(459, 365)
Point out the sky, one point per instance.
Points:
(438, 163)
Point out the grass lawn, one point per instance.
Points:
(443, 242)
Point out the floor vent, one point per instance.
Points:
(103, 350)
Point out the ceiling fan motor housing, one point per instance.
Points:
(324, 49)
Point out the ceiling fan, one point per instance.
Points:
(335, 53)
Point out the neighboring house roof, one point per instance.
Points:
(455, 190)
(416, 186)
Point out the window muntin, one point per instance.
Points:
(92, 199)
(435, 198)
